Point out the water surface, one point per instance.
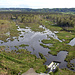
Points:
(72, 42)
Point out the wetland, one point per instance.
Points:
(36, 38)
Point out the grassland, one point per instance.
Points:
(14, 62)
(7, 26)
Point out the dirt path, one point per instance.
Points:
(31, 71)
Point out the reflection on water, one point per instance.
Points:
(33, 39)
(72, 42)
(60, 57)
(73, 62)
(50, 33)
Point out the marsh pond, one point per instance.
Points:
(34, 41)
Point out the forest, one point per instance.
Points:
(44, 10)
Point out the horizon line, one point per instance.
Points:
(35, 8)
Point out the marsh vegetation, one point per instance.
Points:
(27, 39)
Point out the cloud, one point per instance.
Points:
(38, 3)
(23, 6)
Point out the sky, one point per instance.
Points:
(36, 4)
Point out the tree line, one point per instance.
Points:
(44, 10)
(62, 20)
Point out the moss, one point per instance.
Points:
(23, 45)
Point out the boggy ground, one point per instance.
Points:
(14, 62)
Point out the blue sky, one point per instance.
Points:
(37, 4)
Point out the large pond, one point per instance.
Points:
(33, 39)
